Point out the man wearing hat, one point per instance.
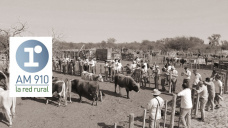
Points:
(154, 106)
(203, 98)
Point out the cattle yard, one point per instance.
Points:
(114, 110)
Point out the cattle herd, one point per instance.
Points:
(87, 86)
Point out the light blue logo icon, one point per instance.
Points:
(32, 56)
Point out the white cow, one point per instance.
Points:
(8, 105)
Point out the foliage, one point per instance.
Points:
(214, 39)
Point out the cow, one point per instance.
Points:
(126, 82)
(88, 89)
(8, 105)
(59, 87)
(91, 77)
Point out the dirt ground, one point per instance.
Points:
(113, 109)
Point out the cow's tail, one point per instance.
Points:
(13, 106)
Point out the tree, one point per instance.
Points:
(111, 42)
(15, 30)
(214, 40)
(224, 45)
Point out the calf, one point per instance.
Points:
(59, 87)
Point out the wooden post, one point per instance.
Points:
(101, 96)
(144, 118)
(131, 120)
(149, 78)
(212, 63)
(173, 111)
(115, 125)
(170, 84)
(179, 118)
(100, 69)
(165, 113)
(197, 105)
(106, 74)
(193, 102)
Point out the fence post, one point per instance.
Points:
(173, 111)
(101, 96)
(144, 118)
(131, 120)
(165, 113)
(115, 125)
(170, 84)
(149, 78)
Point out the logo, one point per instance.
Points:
(30, 67)
(32, 56)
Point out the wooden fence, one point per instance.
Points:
(164, 123)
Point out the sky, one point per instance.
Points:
(124, 20)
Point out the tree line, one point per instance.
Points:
(191, 44)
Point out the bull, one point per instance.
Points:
(126, 82)
(88, 89)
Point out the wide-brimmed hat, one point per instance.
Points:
(156, 92)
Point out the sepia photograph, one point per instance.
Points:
(114, 64)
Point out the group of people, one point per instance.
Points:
(68, 66)
(209, 91)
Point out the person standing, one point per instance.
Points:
(174, 74)
(144, 76)
(218, 90)
(197, 79)
(119, 67)
(203, 98)
(155, 105)
(92, 65)
(60, 65)
(156, 72)
(211, 91)
(163, 78)
(187, 76)
(186, 105)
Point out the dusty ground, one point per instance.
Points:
(113, 109)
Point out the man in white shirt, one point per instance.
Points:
(197, 79)
(174, 74)
(119, 67)
(92, 65)
(218, 90)
(155, 105)
(187, 76)
(203, 98)
(186, 105)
